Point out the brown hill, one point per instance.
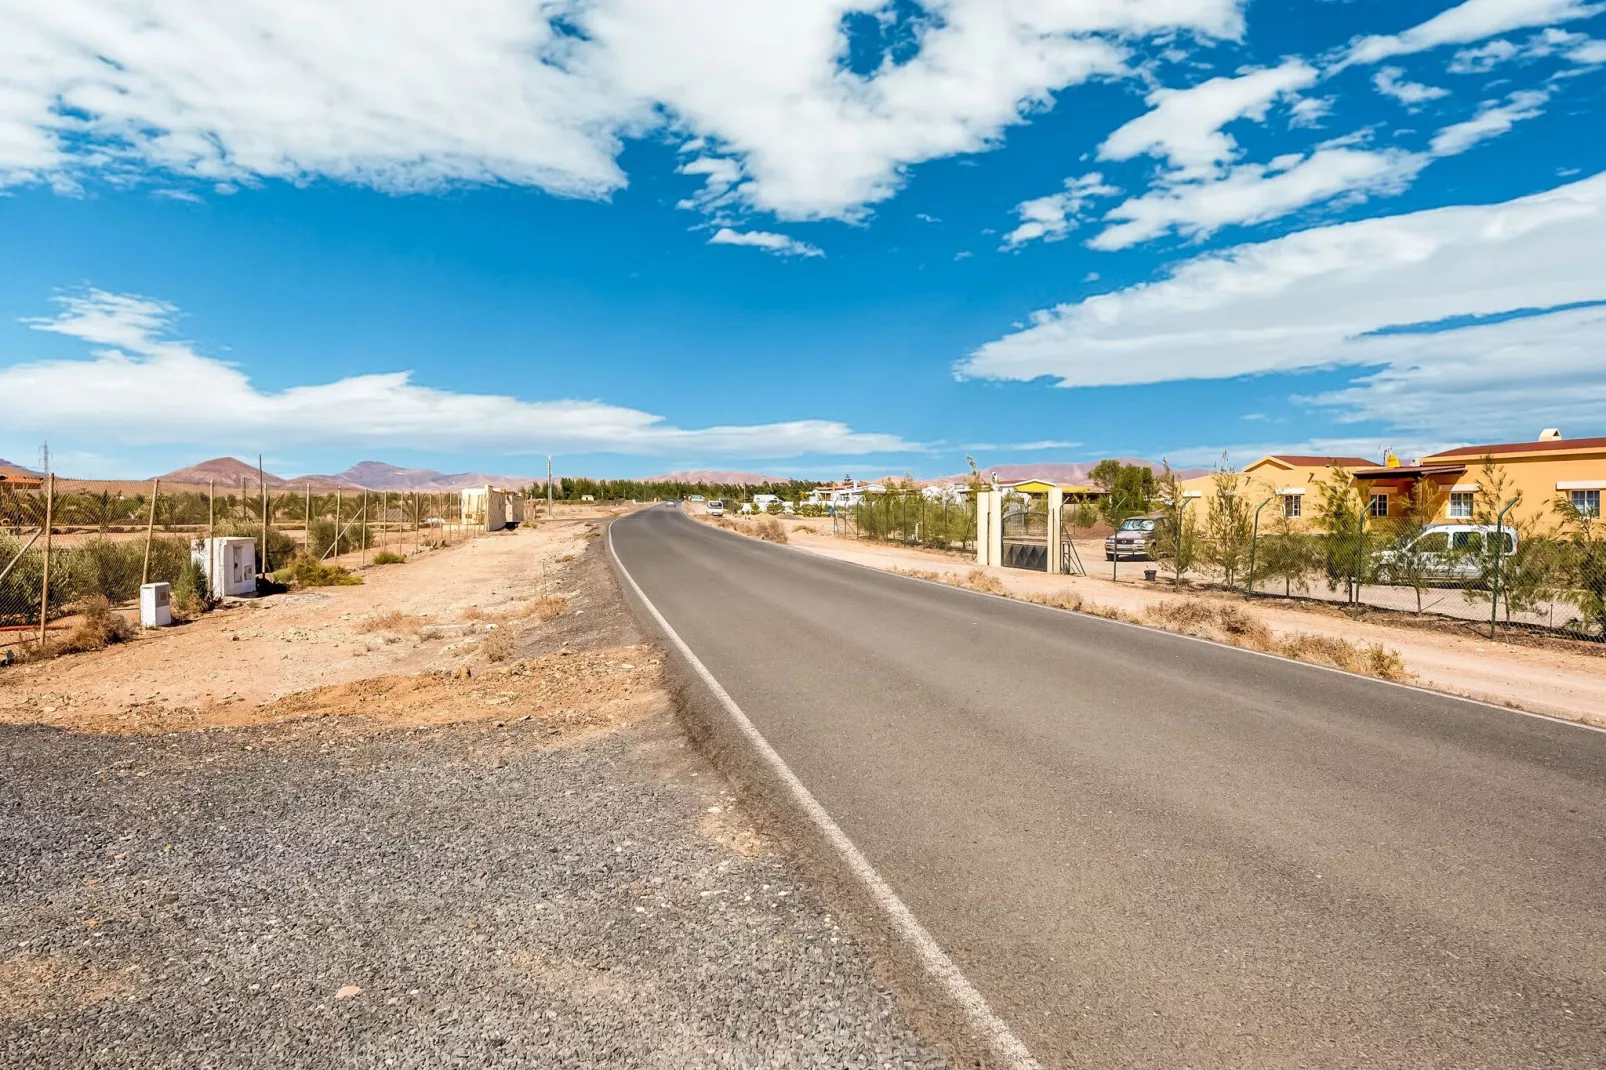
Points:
(225, 471)
(1064, 472)
(704, 476)
(377, 475)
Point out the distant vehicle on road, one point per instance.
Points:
(435, 522)
(1134, 539)
(715, 508)
(695, 498)
(1442, 553)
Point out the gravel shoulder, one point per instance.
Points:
(449, 861)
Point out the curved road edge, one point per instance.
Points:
(740, 750)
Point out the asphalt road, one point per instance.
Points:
(1146, 850)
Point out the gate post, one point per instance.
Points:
(989, 528)
(984, 540)
(1056, 530)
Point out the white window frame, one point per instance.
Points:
(1460, 498)
(1371, 505)
(1292, 505)
(1582, 495)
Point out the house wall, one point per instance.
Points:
(1535, 476)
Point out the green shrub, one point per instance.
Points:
(192, 593)
(322, 536)
(389, 557)
(305, 572)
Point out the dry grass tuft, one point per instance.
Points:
(769, 529)
(542, 608)
(499, 645)
(977, 580)
(395, 623)
(1370, 660)
(1222, 621)
(99, 629)
(474, 613)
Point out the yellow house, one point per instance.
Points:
(1541, 471)
(1072, 491)
(1286, 478)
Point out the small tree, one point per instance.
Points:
(1341, 517)
(1177, 533)
(1127, 489)
(1224, 545)
(1583, 563)
(1521, 565)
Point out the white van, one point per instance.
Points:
(715, 508)
(1446, 553)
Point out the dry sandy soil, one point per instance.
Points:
(453, 634)
(426, 823)
(1551, 680)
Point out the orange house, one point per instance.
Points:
(1542, 471)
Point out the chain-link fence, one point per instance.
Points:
(1500, 578)
(910, 518)
(67, 544)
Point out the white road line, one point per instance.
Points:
(1000, 1037)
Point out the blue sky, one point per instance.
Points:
(814, 238)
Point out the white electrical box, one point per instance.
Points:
(230, 565)
(155, 605)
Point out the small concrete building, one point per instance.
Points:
(492, 508)
(230, 565)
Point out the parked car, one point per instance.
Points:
(1441, 553)
(715, 508)
(1134, 539)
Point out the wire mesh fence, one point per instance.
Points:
(909, 518)
(1501, 579)
(64, 546)
(1491, 579)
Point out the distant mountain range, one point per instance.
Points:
(1060, 472)
(721, 478)
(366, 475)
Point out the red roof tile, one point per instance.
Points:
(1521, 447)
(1299, 460)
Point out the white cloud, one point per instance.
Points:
(1053, 217)
(1473, 20)
(1184, 126)
(140, 386)
(1575, 47)
(779, 244)
(1254, 193)
(1589, 53)
(402, 94)
(1320, 297)
(1210, 191)
(1309, 111)
(1492, 120)
(1390, 82)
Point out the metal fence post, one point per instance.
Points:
(44, 583)
(150, 529)
(1254, 541)
(1499, 552)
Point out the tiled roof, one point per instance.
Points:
(1547, 446)
(1300, 460)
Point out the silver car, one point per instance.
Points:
(1133, 540)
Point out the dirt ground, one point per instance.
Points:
(426, 823)
(452, 634)
(1555, 681)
